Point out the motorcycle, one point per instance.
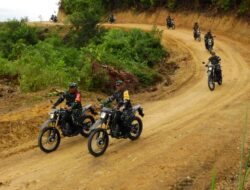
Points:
(171, 24)
(107, 126)
(209, 44)
(112, 19)
(53, 18)
(197, 35)
(213, 76)
(49, 136)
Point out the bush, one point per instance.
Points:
(134, 51)
(15, 36)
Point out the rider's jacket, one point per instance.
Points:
(208, 35)
(73, 100)
(196, 27)
(215, 60)
(122, 99)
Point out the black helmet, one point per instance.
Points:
(119, 82)
(73, 85)
(213, 53)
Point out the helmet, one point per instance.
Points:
(73, 85)
(119, 82)
(213, 53)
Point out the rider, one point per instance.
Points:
(124, 107)
(112, 18)
(73, 104)
(196, 26)
(209, 36)
(169, 20)
(215, 60)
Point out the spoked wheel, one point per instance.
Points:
(136, 127)
(49, 139)
(211, 84)
(88, 121)
(98, 142)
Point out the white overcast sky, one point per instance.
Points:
(32, 9)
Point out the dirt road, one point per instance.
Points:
(187, 135)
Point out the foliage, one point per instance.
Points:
(134, 51)
(52, 62)
(14, 36)
(84, 15)
(242, 6)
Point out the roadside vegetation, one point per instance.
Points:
(40, 61)
(242, 7)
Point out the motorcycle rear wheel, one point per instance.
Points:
(136, 128)
(89, 121)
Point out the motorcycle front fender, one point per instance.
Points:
(96, 124)
(45, 124)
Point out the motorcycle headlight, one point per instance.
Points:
(103, 115)
(210, 68)
(51, 115)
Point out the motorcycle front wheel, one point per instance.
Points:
(49, 139)
(98, 142)
(211, 84)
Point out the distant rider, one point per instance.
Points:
(196, 28)
(215, 60)
(73, 104)
(112, 18)
(124, 107)
(169, 20)
(209, 36)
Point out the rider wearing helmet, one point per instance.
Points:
(196, 26)
(124, 107)
(209, 36)
(73, 104)
(215, 60)
(169, 20)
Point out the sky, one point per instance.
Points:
(35, 10)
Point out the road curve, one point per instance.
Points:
(186, 135)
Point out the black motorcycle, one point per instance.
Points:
(107, 126)
(209, 44)
(171, 24)
(53, 18)
(197, 35)
(111, 19)
(213, 76)
(49, 136)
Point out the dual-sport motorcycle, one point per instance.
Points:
(49, 136)
(213, 76)
(197, 35)
(209, 44)
(53, 18)
(111, 19)
(107, 125)
(171, 24)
